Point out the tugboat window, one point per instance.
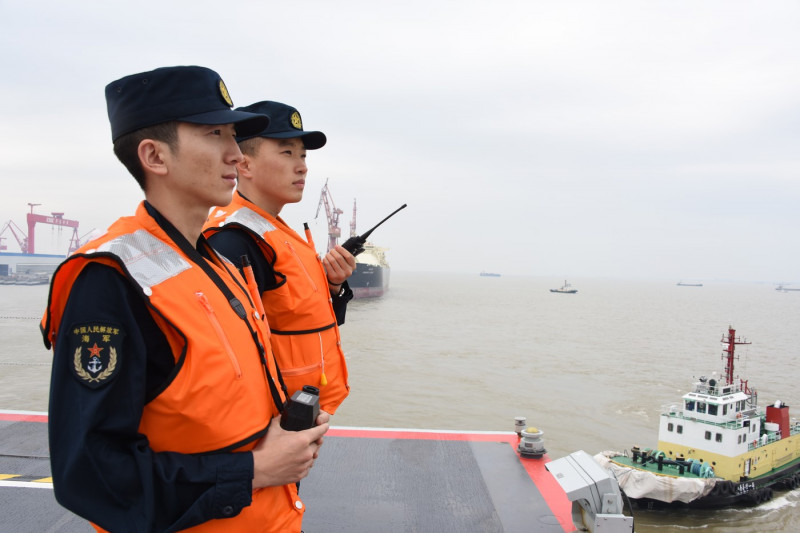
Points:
(725, 409)
(701, 407)
(680, 429)
(690, 405)
(670, 427)
(719, 437)
(708, 435)
(712, 409)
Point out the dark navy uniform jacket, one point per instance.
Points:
(106, 471)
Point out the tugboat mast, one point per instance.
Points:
(732, 341)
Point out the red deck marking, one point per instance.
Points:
(553, 494)
(377, 433)
(22, 417)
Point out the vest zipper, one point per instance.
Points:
(299, 370)
(297, 258)
(212, 317)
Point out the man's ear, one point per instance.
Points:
(245, 167)
(151, 155)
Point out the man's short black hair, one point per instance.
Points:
(126, 147)
(250, 146)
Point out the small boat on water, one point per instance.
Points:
(490, 274)
(784, 288)
(565, 289)
(684, 284)
(716, 448)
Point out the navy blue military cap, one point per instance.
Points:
(284, 123)
(186, 94)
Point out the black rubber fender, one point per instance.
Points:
(727, 488)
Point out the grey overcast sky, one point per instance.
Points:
(623, 139)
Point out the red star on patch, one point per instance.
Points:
(94, 351)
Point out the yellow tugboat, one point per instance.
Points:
(715, 449)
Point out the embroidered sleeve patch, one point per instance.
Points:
(96, 351)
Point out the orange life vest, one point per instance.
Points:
(213, 348)
(305, 336)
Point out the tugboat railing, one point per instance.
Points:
(728, 424)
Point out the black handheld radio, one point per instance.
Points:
(301, 410)
(355, 245)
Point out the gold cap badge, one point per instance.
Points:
(295, 120)
(224, 92)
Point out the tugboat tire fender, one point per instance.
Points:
(762, 495)
(720, 489)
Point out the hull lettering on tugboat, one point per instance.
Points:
(742, 488)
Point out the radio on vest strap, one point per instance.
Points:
(301, 410)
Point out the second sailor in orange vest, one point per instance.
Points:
(304, 298)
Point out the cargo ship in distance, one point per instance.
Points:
(371, 277)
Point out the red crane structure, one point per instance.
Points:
(21, 238)
(332, 214)
(27, 242)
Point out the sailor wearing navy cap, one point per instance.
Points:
(163, 383)
(188, 94)
(286, 268)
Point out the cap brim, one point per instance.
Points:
(312, 140)
(247, 124)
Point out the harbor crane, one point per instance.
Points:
(27, 242)
(332, 214)
(353, 221)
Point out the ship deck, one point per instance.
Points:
(365, 480)
(652, 467)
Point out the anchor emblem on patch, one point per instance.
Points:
(96, 350)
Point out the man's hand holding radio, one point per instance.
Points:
(283, 457)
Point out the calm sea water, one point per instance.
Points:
(463, 352)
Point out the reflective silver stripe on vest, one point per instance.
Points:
(251, 220)
(149, 260)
